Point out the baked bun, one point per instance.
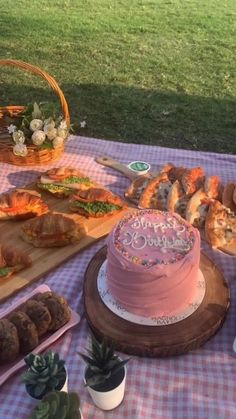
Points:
(17, 205)
(9, 341)
(52, 230)
(12, 260)
(136, 188)
(26, 329)
(39, 314)
(229, 196)
(156, 193)
(58, 308)
(220, 225)
(96, 202)
(62, 182)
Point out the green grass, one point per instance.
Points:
(152, 71)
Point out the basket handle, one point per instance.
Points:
(51, 81)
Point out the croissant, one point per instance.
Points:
(96, 202)
(136, 188)
(52, 230)
(12, 260)
(63, 181)
(17, 205)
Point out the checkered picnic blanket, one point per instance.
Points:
(198, 385)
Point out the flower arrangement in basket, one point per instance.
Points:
(37, 126)
(34, 134)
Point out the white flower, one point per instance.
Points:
(49, 121)
(20, 150)
(18, 137)
(63, 133)
(38, 137)
(36, 124)
(11, 128)
(63, 124)
(51, 134)
(83, 124)
(58, 142)
(49, 127)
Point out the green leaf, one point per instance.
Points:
(4, 271)
(46, 145)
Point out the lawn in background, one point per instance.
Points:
(154, 72)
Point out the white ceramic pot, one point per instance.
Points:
(108, 400)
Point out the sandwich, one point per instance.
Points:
(52, 230)
(96, 202)
(21, 205)
(12, 260)
(61, 182)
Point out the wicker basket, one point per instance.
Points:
(35, 155)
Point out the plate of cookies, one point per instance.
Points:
(32, 324)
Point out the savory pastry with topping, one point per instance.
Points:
(229, 196)
(96, 202)
(136, 188)
(61, 182)
(9, 341)
(12, 260)
(19, 205)
(177, 200)
(192, 180)
(156, 193)
(52, 230)
(220, 225)
(58, 308)
(26, 329)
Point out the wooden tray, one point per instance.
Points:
(44, 260)
(158, 341)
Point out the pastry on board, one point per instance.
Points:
(52, 230)
(193, 179)
(21, 205)
(156, 193)
(177, 199)
(96, 202)
(12, 260)
(26, 330)
(58, 308)
(136, 188)
(220, 225)
(213, 187)
(229, 196)
(61, 182)
(39, 314)
(197, 208)
(9, 341)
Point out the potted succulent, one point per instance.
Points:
(105, 374)
(45, 373)
(58, 405)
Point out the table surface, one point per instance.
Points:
(200, 384)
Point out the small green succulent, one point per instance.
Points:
(102, 362)
(45, 373)
(58, 405)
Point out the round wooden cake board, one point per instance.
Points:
(158, 341)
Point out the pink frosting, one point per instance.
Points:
(153, 263)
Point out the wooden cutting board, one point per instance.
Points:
(46, 259)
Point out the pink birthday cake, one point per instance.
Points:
(153, 263)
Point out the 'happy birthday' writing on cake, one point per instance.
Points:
(170, 224)
(139, 241)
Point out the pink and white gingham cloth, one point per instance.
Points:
(199, 385)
